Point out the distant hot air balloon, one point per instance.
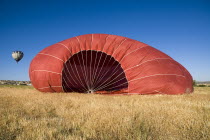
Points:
(17, 55)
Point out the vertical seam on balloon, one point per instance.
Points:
(91, 62)
(113, 63)
(63, 89)
(119, 45)
(67, 83)
(62, 79)
(65, 75)
(95, 70)
(148, 54)
(101, 86)
(99, 63)
(109, 61)
(72, 68)
(80, 63)
(103, 61)
(64, 46)
(95, 74)
(56, 58)
(91, 58)
(132, 52)
(77, 83)
(71, 77)
(63, 65)
(83, 64)
(78, 75)
(119, 63)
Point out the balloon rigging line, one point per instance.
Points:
(103, 62)
(65, 75)
(63, 87)
(119, 64)
(94, 76)
(108, 84)
(67, 69)
(58, 59)
(53, 57)
(147, 77)
(91, 77)
(102, 87)
(139, 65)
(120, 61)
(99, 63)
(82, 68)
(78, 75)
(99, 80)
(72, 70)
(110, 66)
(117, 85)
(67, 85)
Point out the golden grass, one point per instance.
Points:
(26, 114)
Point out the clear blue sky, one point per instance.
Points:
(179, 28)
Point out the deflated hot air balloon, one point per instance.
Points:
(17, 55)
(102, 63)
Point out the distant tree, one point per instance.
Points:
(202, 85)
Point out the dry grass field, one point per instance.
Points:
(26, 114)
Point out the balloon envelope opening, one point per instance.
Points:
(91, 71)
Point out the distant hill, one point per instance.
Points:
(13, 82)
(203, 82)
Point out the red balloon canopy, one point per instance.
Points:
(109, 64)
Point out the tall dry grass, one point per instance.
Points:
(26, 114)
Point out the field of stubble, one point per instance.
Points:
(26, 114)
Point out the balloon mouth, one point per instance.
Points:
(91, 71)
(90, 91)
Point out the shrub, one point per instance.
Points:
(202, 85)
